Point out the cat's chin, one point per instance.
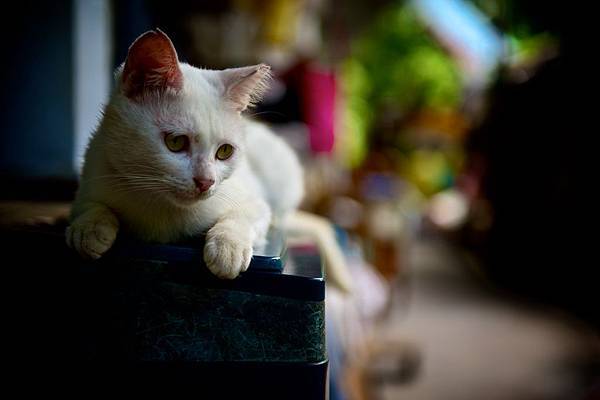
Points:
(187, 199)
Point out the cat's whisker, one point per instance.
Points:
(228, 199)
(267, 113)
(135, 180)
(145, 190)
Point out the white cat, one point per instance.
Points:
(173, 157)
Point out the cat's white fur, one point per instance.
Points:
(131, 181)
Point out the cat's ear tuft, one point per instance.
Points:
(245, 86)
(151, 65)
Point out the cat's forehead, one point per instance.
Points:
(200, 85)
(207, 123)
(200, 107)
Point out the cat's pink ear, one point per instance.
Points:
(245, 86)
(151, 65)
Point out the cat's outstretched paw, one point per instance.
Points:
(227, 251)
(92, 234)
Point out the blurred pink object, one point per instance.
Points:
(318, 94)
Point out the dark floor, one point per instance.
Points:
(475, 343)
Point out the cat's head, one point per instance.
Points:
(174, 130)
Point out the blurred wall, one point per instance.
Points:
(36, 79)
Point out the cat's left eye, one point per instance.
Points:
(176, 143)
(224, 152)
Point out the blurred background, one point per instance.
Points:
(445, 140)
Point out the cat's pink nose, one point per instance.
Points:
(203, 184)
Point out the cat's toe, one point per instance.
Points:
(91, 240)
(105, 235)
(227, 258)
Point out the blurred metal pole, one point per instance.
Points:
(92, 66)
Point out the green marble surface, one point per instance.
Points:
(156, 318)
(178, 322)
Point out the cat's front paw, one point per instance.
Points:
(228, 250)
(92, 235)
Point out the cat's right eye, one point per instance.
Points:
(224, 152)
(176, 143)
